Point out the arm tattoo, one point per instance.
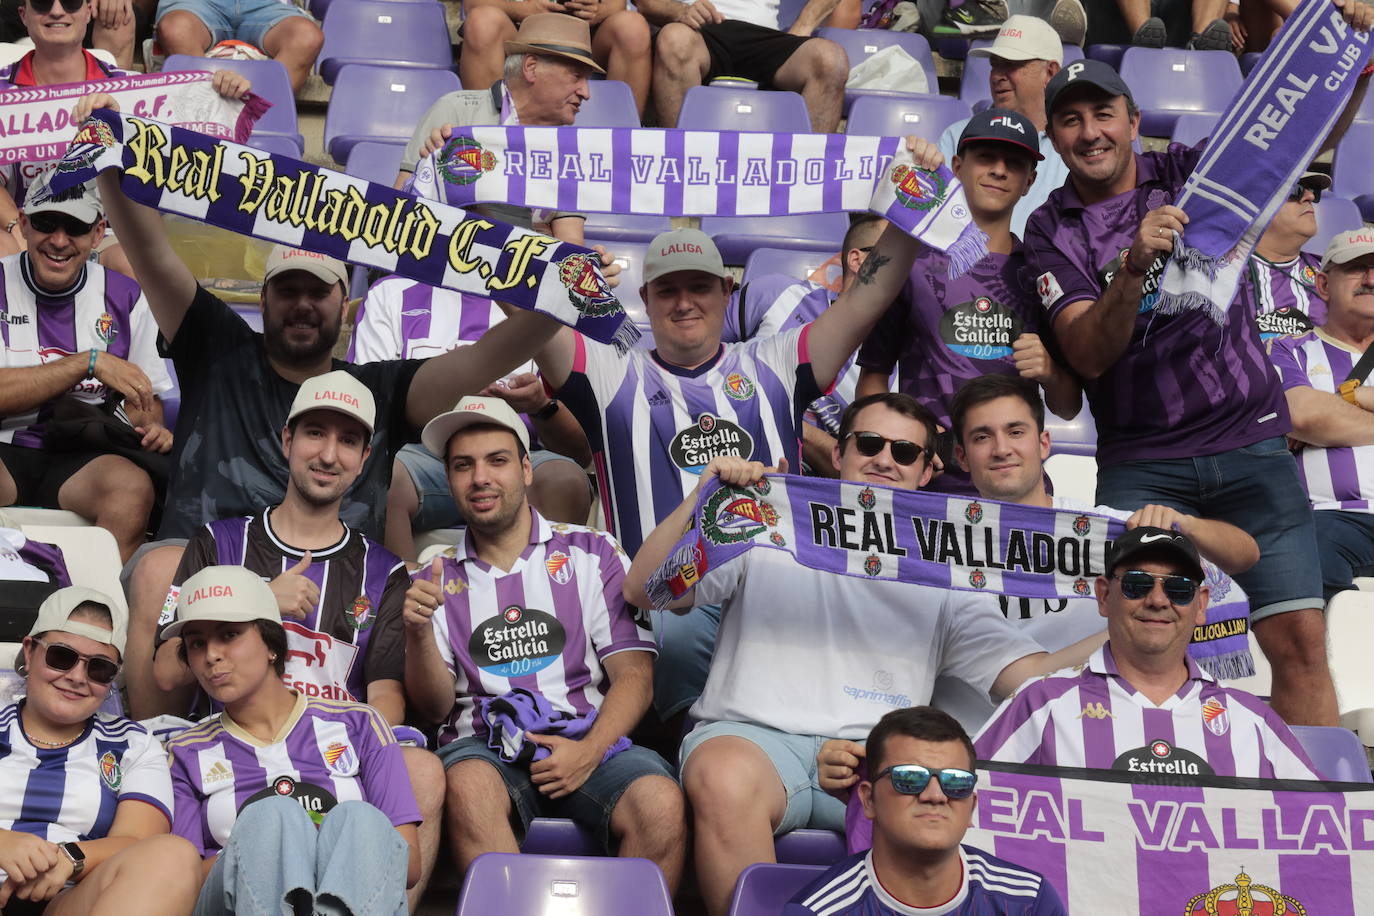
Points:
(870, 267)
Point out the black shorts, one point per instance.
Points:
(747, 50)
(39, 473)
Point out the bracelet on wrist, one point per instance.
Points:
(90, 364)
(1130, 268)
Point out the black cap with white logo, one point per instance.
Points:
(1002, 125)
(1086, 72)
(1158, 542)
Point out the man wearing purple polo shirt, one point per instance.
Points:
(1333, 409)
(1189, 413)
(519, 640)
(1140, 704)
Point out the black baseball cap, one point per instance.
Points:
(1086, 72)
(1158, 542)
(1002, 125)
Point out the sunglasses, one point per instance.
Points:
(912, 779)
(903, 451)
(64, 658)
(42, 6)
(1137, 583)
(1299, 189)
(49, 222)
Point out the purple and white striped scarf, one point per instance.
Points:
(703, 173)
(853, 529)
(1263, 143)
(284, 200)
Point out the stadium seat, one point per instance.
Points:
(1248, 61)
(764, 889)
(91, 554)
(1074, 437)
(630, 257)
(24, 516)
(269, 80)
(612, 104)
(1193, 126)
(1350, 170)
(385, 32)
(1350, 633)
(1109, 54)
(1366, 109)
(861, 44)
(1169, 81)
(1334, 214)
(1337, 752)
(276, 144)
(559, 836)
(1073, 476)
(502, 882)
(714, 107)
(799, 264)
(738, 236)
(376, 161)
(973, 83)
(924, 116)
(1261, 682)
(380, 103)
(810, 847)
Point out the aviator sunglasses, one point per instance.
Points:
(41, 7)
(912, 779)
(64, 658)
(1298, 189)
(1137, 583)
(48, 222)
(870, 444)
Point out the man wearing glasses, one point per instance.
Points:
(921, 803)
(1279, 285)
(1141, 705)
(775, 695)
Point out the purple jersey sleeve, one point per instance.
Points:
(620, 631)
(1063, 275)
(1284, 354)
(1017, 731)
(386, 785)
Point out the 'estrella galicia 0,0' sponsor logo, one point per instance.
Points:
(518, 641)
(710, 437)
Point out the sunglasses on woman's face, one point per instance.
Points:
(41, 7)
(61, 657)
(912, 779)
(869, 444)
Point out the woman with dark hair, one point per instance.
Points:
(290, 800)
(85, 797)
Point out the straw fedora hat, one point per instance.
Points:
(555, 35)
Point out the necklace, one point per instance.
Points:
(41, 742)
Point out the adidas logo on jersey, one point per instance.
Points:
(215, 774)
(658, 399)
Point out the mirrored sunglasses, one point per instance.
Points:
(1137, 583)
(912, 779)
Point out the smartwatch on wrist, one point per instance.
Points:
(74, 855)
(547, 411)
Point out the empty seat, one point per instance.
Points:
(717, 107)
(559, 836)
(1337, 752)
(861, 44)
(1248, 61)
(276, 143)
(765, 888)
(1073, 476)
(1073, 437)
(612, 104)
(810, 847)
(91, 554)
(738, 236)
(380, 103)
(269, 80)
(501, 882)
(1334, 214)
(924, 116)
(397, 34)
(798, 264)
(1193, 126)
(1350, 170)
(1109, 54)
(1169, 81)
(375, 161)
(630, 258)
(1350, 633)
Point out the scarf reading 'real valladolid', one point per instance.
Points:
(1263, 143)
(952, 542)
(647, 171)
(284, 200)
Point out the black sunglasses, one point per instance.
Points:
(1137, 583)
(912, 779)
(904, 451)
(1298, 189)
(61, 657)
(48, 222)
(42, 6)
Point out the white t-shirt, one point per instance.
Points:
(759, 12)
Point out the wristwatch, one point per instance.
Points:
(1347, 390)
(547, 411)
(74, 855)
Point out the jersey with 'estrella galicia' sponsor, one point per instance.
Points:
(69, 794)
(546, 625)
(352, 637)
(989, 887)
(1282, 296)
(654, 427)
(327, 752)
(101, 310)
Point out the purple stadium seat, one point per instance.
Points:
(630, 257)
(380, 103)
(1169, 81)
(499, 882)
(319, 7)
(396, 34)
(1366, 109)
(276, 143)
(1350, 171)
(952, 48)
(861, 44)
(926, 116)
(1337, 752)
(613, 105)
(738, 236)
(269, 81)
(810, 847)
(973, 84)
(558, 836)
(1248, 61)
(1334, 214)
(249, 312)
(1073, 437)
(714, 107)
(1193, 126)
(765, 888)
(1109, 54)
(375, 161)
(788, 11)
(799, 264)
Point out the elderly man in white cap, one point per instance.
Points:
(1025, 55)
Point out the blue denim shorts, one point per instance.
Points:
(437, 509)
(1257, 489)
(590, 805)
(794, 757)
(245, 20)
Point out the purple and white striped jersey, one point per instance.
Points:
(1332, 475)
(1282, 295)
(102, 310)
(1185, 386)
(331, 752)
(654, 427)
(546, 625)
(990, 887)
(69, 794)
(1090, 716)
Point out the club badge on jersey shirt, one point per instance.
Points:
(559, 565)
(340, 758)
(1215, 717)
(360, 616)
(110, 772)
(105, 327)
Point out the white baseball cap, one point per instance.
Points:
(225, 594)
(682, 249)
(54, 616)
(468, 412)
(337, 391)
(1348, 245)
(1024, 38)
(79, 202)
(282, 258)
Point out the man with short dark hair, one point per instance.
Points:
(920, 797)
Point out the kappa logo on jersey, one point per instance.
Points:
(214, 774)
(454, 586)
(918, 189)
(110, 772)
(980, 329)
(738, 386)
(1095, 711)
(340, 759)
(105, 327)
(1048, 288)
(1215, 717)
(360, 616)
(710, 437)
(518, 641)
(559, 565)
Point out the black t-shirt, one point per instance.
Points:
(227, 459)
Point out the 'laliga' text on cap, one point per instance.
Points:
(472, 411)
(337, 391)
(682, 249)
